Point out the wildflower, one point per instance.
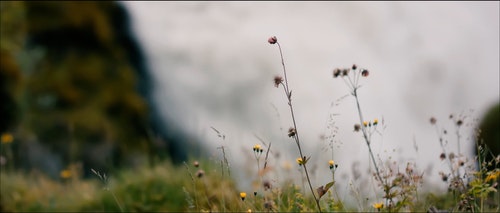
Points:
(365, 123)
(300, 161)
(365, 73)
(292, 132)
(266, 184)
(357, 127)
(65, 174)
(345, 72)
(433, 120)
(243, 195)
(451, 156)
(196, 164)
(249, 210)
(492, 176)
(277, 81)
(7, 138)
(354, 67)
(268, 205)
(375, 122)
(332, 164)
(336, 72)
(200, 173)
(442, 156)
(443, 176)
(272, 40)
(257, 148)
(378, 206)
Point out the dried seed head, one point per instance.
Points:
(196, 164)
(336, 72)
(365, 73)
(272, 40)
(277, 81)
(357, 127)
(268, 205)
(200, 173)
(267, 185)
(291, 132)
(459, 123)
(442, 156)
(345, 72)
(354, 67)
(433, 120)
(451, 156)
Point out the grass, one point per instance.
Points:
(202, 185)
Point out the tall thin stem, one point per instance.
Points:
(365, 135)
(296, 137)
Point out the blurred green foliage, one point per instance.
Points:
(490, 132)
(68, 86)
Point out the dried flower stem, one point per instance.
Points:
(365, 135)
(288, 94)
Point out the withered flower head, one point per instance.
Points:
(433, 120)
(272, 40)
(268, 205)
(336, 72)
(354, 67)
(200, 173)
(444, 177)
(345, 72)
(291, 132)
(357, 127)
(267, 185)
(459, 123)
(451, 156)
(196, 164)
(442, 156)
(365, 73)
(277, 81)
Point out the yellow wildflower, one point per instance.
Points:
(365, 123)
(332, 164)
(7, 138)
(375, 122)
(378, 206)
(257, 148)
(492, 176)
(300, 161)
(249, 210)
(243, 195)
(65, 174)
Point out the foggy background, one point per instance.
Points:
(212, 67)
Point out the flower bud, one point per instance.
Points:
(272, 40)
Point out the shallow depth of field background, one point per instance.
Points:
(115, 86)
(214, 68)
